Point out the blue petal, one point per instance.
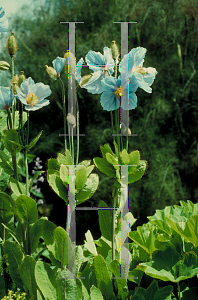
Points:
(3, 25)
(132, 101)
(149, 78)
(2, 12)
(109, 59)
(94, 60)
(26, 85)
(41, 91)
(78, 69)
(141, 83)
(110, 83)
(109, 102)
(58, 64)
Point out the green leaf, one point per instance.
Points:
(89, 170)
(48, 231)
(103, 278)
(89, 244)
(27, 269)
(33, 142)
(58, 186)
(112, 160)
(81, 177)
(17, 187)
(105, 221)
(8, 168)
(61, 159)
(88, 189)
(36, 232)
(15, 256)
(11, 141)
(95, 293)
(125, 157)
(139, 172)
(134, 159)
(114, 266)
(106, 149)
(26, 209)
(3, 124)
(104, 167)
(45, 279)
(53, 164)
(62, 246)
(4, 180)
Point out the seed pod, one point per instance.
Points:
(71, 67)
(71, 120)
(4, 65)
(21, 77)
(124, 130)
(15, 84)
(12, 44)
(52, 72)
(114, 50)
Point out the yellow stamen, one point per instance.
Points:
(31, 99)
(141, 71)
(119, 92)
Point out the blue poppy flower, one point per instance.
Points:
(6, 98)
(114, 93)
(132, 64)
(58, 64)
(3, 21)
(102, 65)
(32, 95)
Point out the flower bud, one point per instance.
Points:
(124, 130)
(21, 77)
(12, 44)
(71, 120)
(114, 50)
(85, 79)
(4, 65)
(15, 84)
(69, 68)
(52, 72)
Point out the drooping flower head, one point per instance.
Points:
(32, 95)
(3, 21)
(132, 64)
(6, 98)
(58, 64)
(116, 93)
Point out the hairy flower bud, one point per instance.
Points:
(21, 77)
(15, 84)
(52, 72)
(124, 130)
(85, 79)
(69, 68)
(4, 65)
(12, 44)
(114, 50)
(71, 120)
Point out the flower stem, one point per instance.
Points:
(26, 173)
(14, 162)
(77, 123)
(64, 111)
(14, 104)
(72, 141)
(112, 126)
(113, 221)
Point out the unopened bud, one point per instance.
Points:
(21, 77)
(15, 84)
(114, 50)
(85, 79)
(71, 120)
(12, 44)
(52, 72)
(69, 68)
(124, 130)
(4, 65)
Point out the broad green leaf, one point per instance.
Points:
(11, 141)
(17, 187)
(125, 157)
(61, 159)
(53, 164)
(166, 265)
(36, 232)
(104, 167)
(106, 149)
(134, 159)
(26, 209)
(62, 246)
(105, 221)
(139, 172)
(81, 177)
(68, 288)
(153, 292)
(112, 160)
(27, 269)
(4, 180)
(104, 282)
(5, 197)
(45, 279)
(33, 142)
(15, 256)
(14, 236)
(58, 187)
(144, 237)
(86, 163)
(121, 283)
(88, 189)
(159, 219)
(8, 168)
(95, 293)
(187, 228)
(48, 232)
(89, 244)
(89, 170)
(3, 124)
